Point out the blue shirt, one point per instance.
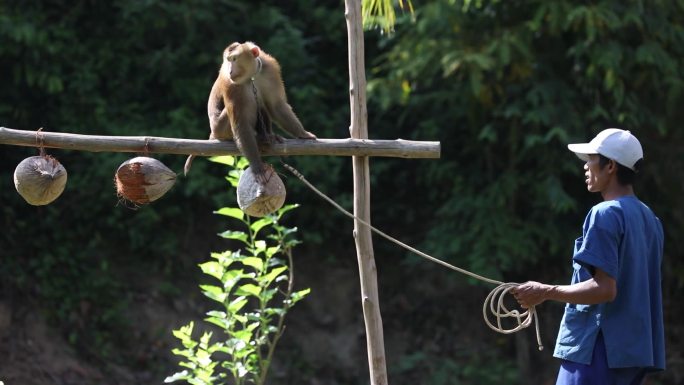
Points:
(623, 238)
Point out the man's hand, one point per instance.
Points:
(531, 293)
(599, 289)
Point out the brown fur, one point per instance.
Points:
(236, 113)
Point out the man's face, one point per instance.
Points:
(596, 177)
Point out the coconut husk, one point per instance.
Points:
(40, 179)
(142, 180)
(257, 199)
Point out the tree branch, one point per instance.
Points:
(335, 147)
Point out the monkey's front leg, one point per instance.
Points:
(288, 121)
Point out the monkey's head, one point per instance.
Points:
(240, 61)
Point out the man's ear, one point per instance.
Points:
(612, 166)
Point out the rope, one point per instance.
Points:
(524, 319)
(499, 311)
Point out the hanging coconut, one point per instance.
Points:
(40, 179)
(143, 180)
(257, 199)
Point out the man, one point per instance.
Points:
(612, 329)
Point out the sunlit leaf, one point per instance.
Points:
(213, 292)
(256, 263)
(237, 235)
(184, 375)
(273, 274)
(249, 289)
(220, 322)
(299, 295)
(223, 159)
(286, 208)
(237, 304)
(232, 212)
(261, 223)
(213, 268)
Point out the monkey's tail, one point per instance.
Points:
(188, 164)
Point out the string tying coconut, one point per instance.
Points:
(257, 199)
(40, 179)
(142, 180)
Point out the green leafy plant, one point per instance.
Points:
(255, 293)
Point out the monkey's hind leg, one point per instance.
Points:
(285, 117)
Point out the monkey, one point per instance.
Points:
(247, 96)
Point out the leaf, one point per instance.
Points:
(232, 212)
(180, 334)
(267, 295)
(253, 326)
(286, 208)
(220, 322)
(184, 333)
(271, 251)
(214, 292)
(289, 230)
(221, 256)
(249, 289)
(232, 277)
(244, 335)
(184, 375)
(217, 313)
(228, 160)
(275, 311)
(260, 246)
(190, 365)
(236, 235)
(242, 371)
(213, 268)
(233, 181)
(243, 163)
(204, 340)
(256, 263)
(203, 357)
(183, 352)
(299, 295)
(261, 223)
(273, 274)
(237, 304)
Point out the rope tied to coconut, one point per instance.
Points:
(494, 302)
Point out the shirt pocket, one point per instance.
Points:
(574, 326)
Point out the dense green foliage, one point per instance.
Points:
(505, 99)
(503, 85)
(127, 68)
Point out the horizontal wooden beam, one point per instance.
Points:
(398, 148)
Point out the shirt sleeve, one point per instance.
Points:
(602, 235)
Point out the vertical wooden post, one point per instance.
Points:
(362, 234)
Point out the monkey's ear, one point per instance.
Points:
(255, 51)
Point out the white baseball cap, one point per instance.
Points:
(613, 143)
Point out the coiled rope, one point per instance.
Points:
(494, 303)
